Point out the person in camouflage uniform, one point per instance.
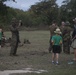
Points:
(15, 36)
(62, 26)
(52, 28)
(66, 38)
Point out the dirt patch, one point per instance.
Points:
(25, 70)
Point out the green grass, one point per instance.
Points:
(35, 55)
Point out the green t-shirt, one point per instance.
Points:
(0, 35)
(56, 39)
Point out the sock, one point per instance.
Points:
(52, 61)
(57, 62)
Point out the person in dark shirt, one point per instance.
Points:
(74, 39)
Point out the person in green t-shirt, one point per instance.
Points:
(56, 42)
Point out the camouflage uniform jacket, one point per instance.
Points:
(66, 33)
(52, 29)
(15, 33)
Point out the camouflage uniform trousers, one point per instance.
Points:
(14, 46)
(66, 47)
(50, 47)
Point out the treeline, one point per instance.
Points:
(39, 15)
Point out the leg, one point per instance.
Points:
(12, 49)
(15, 51)
(74, 60)
(57, 57)
(0, 44)
(13, 44)
(62, 48)
(50, 47)
(53, 57)
(75, 54)
(66, 47)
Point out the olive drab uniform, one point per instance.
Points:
(66, 39)
(62, 28)
(52, 28)
(15, 37)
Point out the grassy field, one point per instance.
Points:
(35, 55)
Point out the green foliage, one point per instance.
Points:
(68, 10)
(46, 8)
(3, 9)
(39, 15)
(4, 13)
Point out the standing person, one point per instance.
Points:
(66, 38)
(15, 36)
(56, 42)
(62, 26)
(52, 29)
(74, 39)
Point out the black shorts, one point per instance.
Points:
(56, 49)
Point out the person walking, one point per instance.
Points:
(15, 36)
(56, 42)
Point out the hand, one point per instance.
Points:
(20, 22)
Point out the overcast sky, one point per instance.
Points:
(25, 4)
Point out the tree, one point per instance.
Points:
(68, 10)
(47, 9)
(3, 7)
(3, 10)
